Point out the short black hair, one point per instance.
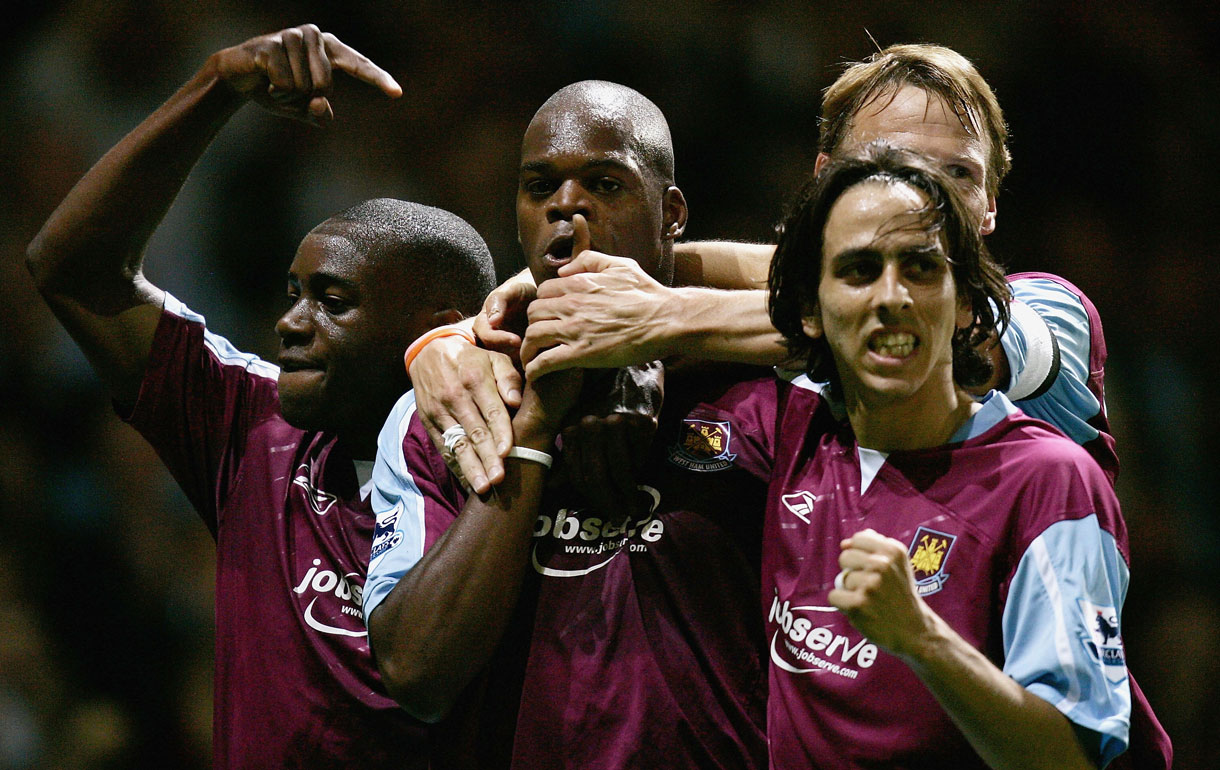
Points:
(437, 245)
(796, 269)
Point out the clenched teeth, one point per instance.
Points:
(892, 344)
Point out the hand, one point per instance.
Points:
(289, 72)
(457, 383)
(605, 450)
(878, 594)
(544, 405)
(602, 312)
(501, 323)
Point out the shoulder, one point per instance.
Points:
(1047, 475)
(403, 446)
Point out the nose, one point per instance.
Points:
(294, 325)
(569, 199)
(891, 293)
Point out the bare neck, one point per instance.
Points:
(926, 419)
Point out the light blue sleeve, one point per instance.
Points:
(1062, 629)
(1048, 347)
(398, 537)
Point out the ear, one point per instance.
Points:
(445, 317)
(965, 312)
(811, 321)
(820, 163)
(988, 225)
(673, 204)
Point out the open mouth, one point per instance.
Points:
(560, 250)
(893, 344)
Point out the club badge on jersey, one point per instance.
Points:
(704, 446)
(929, 552)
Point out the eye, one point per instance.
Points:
(858, 271)
(924, 266)
(538, 187)
(963, 173)
(334, 305)
(605, 185)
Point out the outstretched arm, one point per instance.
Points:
(605, 312)
(722, 264)
(87, 258)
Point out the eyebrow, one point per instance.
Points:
(543, 166)
(324, 279)
(870, 252)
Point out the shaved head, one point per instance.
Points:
(598, 104)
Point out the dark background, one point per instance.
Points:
(105, 573)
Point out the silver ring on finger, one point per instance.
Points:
(840, 579)
(452, 436)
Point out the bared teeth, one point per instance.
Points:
(893, 344)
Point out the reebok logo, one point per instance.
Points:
(800, 504)
(319, 502)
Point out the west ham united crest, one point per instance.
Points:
(704, 445)
(929, 551)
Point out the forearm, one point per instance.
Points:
(439, 626)
(89, 251)
(1006, 724)
(722, 264)
(730, 326)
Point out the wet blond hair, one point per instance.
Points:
(935, 69)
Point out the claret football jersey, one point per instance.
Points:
(295, 683)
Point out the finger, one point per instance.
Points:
(854, 559)
(580, 234)
(869, 540)
(481, 462)
(580, 283)
(318, 61)
(318, 65)
(845, 601)
(435, 432)
(502, 342)
(279, 72)
(589, 262)
(548, 361)
(495, 307)
(293, 41)
(541, 335)
(492, 431)
(508, 383)
(468, 460)
(359, 66)
(545, 308)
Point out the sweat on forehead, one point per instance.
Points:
(590, 105)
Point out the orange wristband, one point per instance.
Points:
(434, 334)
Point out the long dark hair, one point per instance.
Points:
(796, 270)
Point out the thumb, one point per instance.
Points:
(580, 235)
(589, 262)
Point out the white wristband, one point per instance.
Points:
(533, 455)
